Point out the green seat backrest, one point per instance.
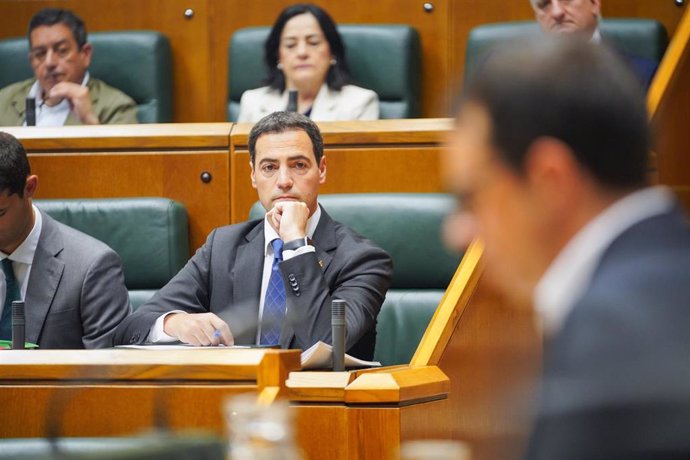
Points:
(383, 58)
(150, 235)
(408, 227)
(137, 63)
(150, 447)
(645, 38)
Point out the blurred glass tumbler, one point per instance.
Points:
(434, 449)
(260, 432)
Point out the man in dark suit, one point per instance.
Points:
(225, 293)
(72, 284)
(550, 167)
(581, 18)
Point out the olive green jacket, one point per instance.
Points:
(111, 106)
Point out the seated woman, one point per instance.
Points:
(304, 52)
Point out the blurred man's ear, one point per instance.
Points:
(30, 186)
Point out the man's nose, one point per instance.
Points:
(459, 230)
(284, 178)
(557, 9)
(51, 58)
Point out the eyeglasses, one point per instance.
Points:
(61, 50)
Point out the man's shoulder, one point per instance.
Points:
(73, 241)
(235, 232)
(20, 87)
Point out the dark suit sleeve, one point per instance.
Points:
(187, 291)
(104, 300)
(360, 273)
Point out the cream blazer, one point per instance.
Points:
(350, 103)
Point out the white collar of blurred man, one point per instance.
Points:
(569, 17)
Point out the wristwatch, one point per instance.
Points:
(295, 244)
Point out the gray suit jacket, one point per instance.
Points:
(617, 376)
(76, 294)
(224, 277)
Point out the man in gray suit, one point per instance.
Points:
(550, 168)
(238, 288)
(72, 284)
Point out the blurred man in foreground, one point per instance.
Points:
(549, 167)
(63, 90)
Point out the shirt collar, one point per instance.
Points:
(569, 275)
(270, 234)
(596, 36)
(26, 250)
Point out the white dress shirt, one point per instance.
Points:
(22, 258)
(55, 115)
(157, 334)
(569, 275)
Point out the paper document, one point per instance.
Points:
(320, 356)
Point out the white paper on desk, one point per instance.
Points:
(320, 356)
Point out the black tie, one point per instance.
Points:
(11, 294)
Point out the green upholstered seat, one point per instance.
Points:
(149, 234)
(151, 447)
(135, 62)
(408, 227)
(383, 58)
(645, 38)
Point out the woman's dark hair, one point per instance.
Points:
(338, 75)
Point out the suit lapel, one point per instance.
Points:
(325, 240)
(44, 279)
(324, 106)
(246, 275)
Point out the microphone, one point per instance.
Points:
(292, 100)
(30, 111)
(18, 322)
(338, 333)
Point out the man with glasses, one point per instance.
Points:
(581, 18)
(63, 90)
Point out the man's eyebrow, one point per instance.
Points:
(57, 43)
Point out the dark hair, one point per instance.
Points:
(52, 16)
(571, 90)
(338, 74)
(280, 122)
(14, 165)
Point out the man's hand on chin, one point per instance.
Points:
(79, 100)
(289, 219)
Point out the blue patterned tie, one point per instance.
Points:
(11, 293)
(274, 302)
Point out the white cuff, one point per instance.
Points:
(157, 333)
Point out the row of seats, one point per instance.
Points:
(384, 58)
(150, 235)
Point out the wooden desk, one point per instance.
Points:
(124, 391)
(361, 157)
(165, 160)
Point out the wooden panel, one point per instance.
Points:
(432, 28)
(668, 102)
(122, 392)
(189, 38)
(137, 160)
(382, 156)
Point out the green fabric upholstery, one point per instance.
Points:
(383, 58)
(137, 63)
(408, 227)
(152, 447)
(641, 37)
(149, 234)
